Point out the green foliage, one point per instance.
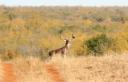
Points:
(98, 45)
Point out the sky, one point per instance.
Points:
(64, 2)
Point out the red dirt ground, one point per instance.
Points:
(54, 73)
(8, 73)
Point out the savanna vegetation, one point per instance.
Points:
(36, 30)
(27, 34)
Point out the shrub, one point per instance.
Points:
(98, 45)
(8, 55)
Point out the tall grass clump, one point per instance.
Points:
(98, 45)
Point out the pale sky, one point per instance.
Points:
(64, 2)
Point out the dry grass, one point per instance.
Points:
(112, 68)
(94, 69)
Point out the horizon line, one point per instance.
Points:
(63, 5)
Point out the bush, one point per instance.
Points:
(98, 45)
(8, 55)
